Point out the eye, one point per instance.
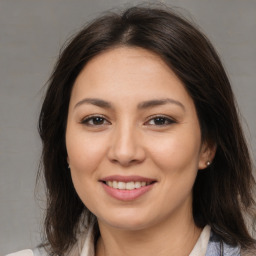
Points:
(160, 121)
(95, 121)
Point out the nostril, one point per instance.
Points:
(125, 162)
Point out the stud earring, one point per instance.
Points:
(208, 163)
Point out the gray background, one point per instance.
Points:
(31, 34)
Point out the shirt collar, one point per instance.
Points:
(198, 250)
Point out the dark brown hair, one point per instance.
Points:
(222, 192)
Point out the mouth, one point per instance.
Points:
(127, 182)
(127, 188)
(131, 185)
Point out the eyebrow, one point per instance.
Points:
(97, 102)
(143, 105)
(159, 102)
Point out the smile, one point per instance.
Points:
(127, 188)
(127, 185)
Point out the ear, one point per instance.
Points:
(207, 154)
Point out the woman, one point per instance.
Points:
(143, 152)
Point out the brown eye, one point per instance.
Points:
(95, 121)
(160, 121)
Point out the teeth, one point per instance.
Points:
(115, 185)
(121, 185)
(130, 185)
(127, 185)
(137, 184)
(110, 183)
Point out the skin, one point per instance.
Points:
(128, 139)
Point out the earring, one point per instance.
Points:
(208, 163)
(68, 166)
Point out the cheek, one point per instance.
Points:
(176, 152)
(176, 156)
(85, 152)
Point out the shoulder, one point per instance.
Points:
(248, 252)
(22, 253)
(217, 246)
(35, 252)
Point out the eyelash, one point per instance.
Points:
(86, 120)
(164, 118)
(93, 118)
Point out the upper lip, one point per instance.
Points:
(127, 178)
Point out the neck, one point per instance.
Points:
(172, 237)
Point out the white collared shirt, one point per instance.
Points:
(85, 246)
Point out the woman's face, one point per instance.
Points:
(133, 140)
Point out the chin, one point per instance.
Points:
(130, 220)
(128, 226)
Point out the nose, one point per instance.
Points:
(126, 146)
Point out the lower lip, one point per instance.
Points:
(127, 195)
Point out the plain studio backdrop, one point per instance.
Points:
(31, 34)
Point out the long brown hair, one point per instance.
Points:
(222, 192)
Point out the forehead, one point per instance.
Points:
(128, 71)
(126, 55)
(131, 61)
